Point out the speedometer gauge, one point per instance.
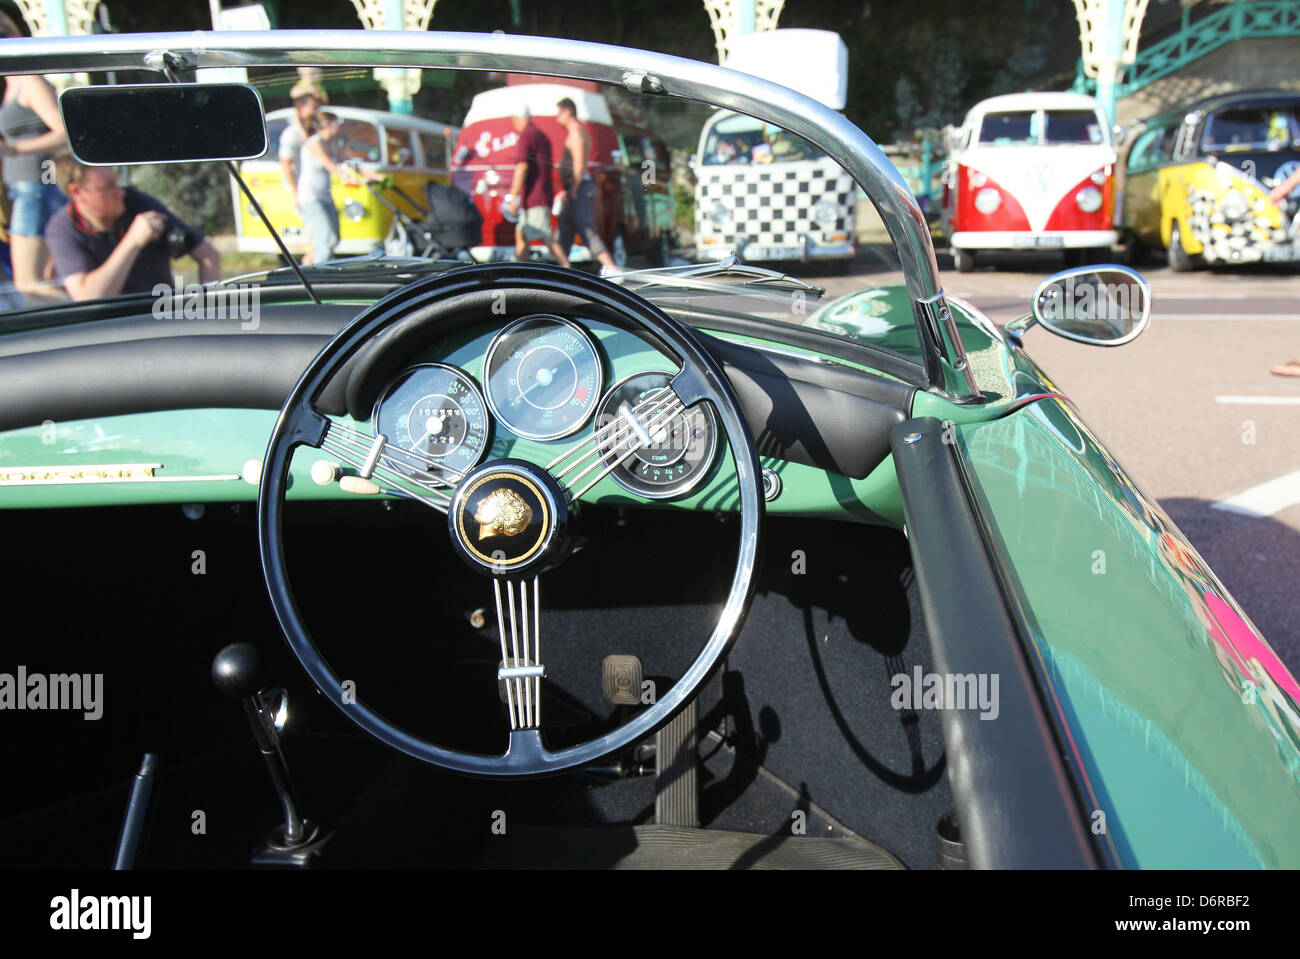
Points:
(435, 412)
(543, 376)
(681, 447)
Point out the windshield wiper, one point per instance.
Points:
(730, 265)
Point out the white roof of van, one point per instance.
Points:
(540, 98)
(1048, 100)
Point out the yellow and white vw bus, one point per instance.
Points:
(411, 150)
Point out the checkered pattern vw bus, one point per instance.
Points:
(768, 195)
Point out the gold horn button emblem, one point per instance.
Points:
(503, 513)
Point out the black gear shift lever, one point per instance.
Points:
(238, 671)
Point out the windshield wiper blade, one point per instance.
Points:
(729, 265)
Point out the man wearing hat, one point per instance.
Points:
(307, 99)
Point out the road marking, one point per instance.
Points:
(1264, 499)
(1261, 400)
(1186, 295)
(1237, 317)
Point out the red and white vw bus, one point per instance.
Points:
(634, 213)
(1030, 171)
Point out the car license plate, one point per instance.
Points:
(773, 252)
(1038, 242)
(1281, 253)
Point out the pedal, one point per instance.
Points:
(621, 678)
(677, 771)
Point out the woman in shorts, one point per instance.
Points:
(33, 135)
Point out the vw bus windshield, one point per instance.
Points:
(1039, 127)
(741, 139)
(1253, 129)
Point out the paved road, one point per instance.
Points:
(1191, 411)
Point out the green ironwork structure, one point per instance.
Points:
(1239, 20)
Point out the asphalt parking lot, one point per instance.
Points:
(1189, 408)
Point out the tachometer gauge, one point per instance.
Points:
(437, 412)
(543, 377)
(681, 446)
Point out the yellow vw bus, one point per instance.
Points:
(1197, 182)
(410, 150)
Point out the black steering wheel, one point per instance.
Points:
(510, 519)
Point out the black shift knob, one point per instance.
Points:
(239, 670)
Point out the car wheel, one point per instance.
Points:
(964, 260)
(619, 250)
(1180, 261)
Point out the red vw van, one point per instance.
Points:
(632, 215)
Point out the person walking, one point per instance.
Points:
(33, 134)
(317, 167)
(307, 100)
(577, 216)
(532, 183)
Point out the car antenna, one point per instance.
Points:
(167, 64)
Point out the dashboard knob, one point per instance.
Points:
(252, 472)
(323, 472)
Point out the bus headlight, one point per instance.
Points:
(1234, 205)
(1088, 199)
(826, 213)
(353, 210)
(718, 214)
(988, 200)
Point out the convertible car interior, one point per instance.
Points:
(410, 562)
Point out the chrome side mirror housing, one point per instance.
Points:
(1106, 305)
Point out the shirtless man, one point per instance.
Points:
(577, 216)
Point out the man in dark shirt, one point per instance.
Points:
(532, 182)
(110, 240)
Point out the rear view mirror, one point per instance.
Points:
(164, 123)
(1103, 305)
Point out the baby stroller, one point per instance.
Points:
(447, 230)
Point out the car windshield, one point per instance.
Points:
(669, 184)
(1037, 127)
(1252, 129)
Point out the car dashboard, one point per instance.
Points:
(138, 408)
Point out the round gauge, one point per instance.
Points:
(543, 377)
(682, 444)
(437, 412)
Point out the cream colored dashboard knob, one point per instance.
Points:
(323, 472)
(355, 484)
(252, 472)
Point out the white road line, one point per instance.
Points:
(1157, 317)
(1264, 499)
(1260, 400)
(1186, 295)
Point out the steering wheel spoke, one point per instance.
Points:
(519, 624)
(382, 467)
(585, 464)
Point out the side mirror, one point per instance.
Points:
(1102, 305)
(692, 161)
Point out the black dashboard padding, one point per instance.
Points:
(813, 413)
(185, 372)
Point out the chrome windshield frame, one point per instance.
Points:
(637, 70)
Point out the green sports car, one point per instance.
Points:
(687, 566)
